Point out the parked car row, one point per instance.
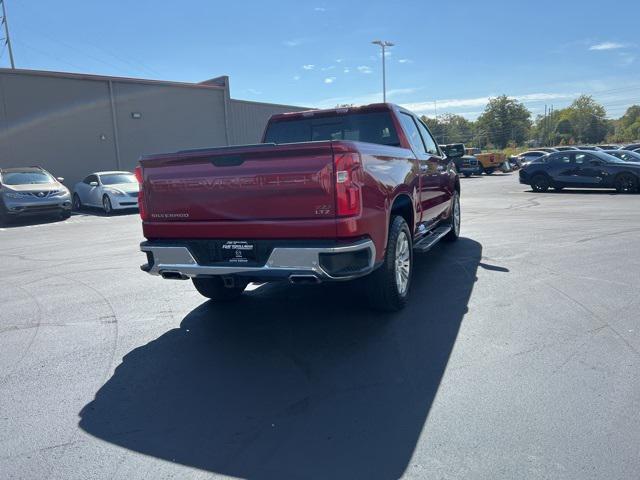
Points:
(619, 169)
(29, 191)
(471, 161)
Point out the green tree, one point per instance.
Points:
(629, 124)
(436, 127)
(450, 128)
(588, 120)
(504, 120)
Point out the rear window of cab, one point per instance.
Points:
(371, 127)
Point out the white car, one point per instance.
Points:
(107, 190)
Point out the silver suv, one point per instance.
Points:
(32, 191)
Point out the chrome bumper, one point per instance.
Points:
(283, 262)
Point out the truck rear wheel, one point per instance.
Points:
(489, 170)
(388, 286)
(215, 289)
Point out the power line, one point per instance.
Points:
(7, 37)
(124, 65)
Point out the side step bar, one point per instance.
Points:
(430, 239)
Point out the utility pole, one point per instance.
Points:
(544, 130)
(384, 44)
(7, 39)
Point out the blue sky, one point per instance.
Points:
(319, 53)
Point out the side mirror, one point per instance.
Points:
(595, 163)
(93, 184)
(60, 179)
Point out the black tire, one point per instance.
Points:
(213, 288)
(454, 219)
(626, 183)
(540, 183)
(466, 175)
(382, 288)
(65, 214)
(489, 171)
(4, 216)
(106, 205)
(77, 203)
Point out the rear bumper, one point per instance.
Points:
(320, 263)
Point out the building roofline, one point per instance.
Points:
(253, 102)
(103, 78)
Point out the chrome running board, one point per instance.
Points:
(430, 239)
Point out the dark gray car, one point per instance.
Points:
(32, 191)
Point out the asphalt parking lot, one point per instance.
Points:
(518, 356)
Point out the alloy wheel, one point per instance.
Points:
(106, 204)
(456, 214)
(403, 263)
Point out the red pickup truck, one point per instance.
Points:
(330, 195)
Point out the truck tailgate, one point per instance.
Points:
(241, 184)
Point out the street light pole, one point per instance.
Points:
(384, 44)
(6, 32)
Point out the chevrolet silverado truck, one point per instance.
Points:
(329, 196)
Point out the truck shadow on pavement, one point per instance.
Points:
(298, 382)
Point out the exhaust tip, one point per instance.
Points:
(169, 275)
(304, 279)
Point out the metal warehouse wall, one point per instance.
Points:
(172, 118)
(73, 125)
(56, 123)
(247, 120)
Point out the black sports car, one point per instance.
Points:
(581, 169)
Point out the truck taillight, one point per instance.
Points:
(141, 206)
(348, 170)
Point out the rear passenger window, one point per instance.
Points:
(561, 159)
(413, 135)
(582, 158)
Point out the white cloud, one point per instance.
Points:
(364, 69)
(308, 67)
(326, 69)
(346, 70)
(405, 60)
(319, 9)
(339, 60)
(424, 107)
(329, 80)
(253, 91)
(296, 77)
(606, 46)
(292, 43)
